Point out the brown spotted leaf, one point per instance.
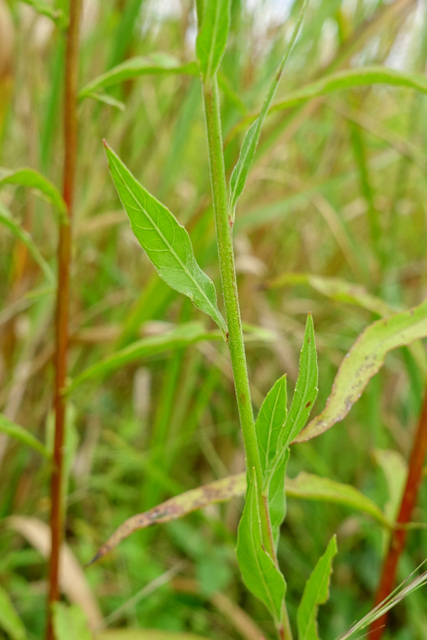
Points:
(177, 507)
(363, 361)
(304, 487)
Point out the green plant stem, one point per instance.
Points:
(62, 304)
(398, 537)
(231, 300)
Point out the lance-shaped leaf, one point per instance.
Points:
(316, 592)
(305, 392)
(277, 495)
(363, 361)
(260, 574)
(335, 289)
(164, 240)
(177, 507)
(270, 420)
(178, 337)
(157, 64)
(341, 81)
(212, 37)
(305, 486)
(35, 180)
(308, 486)
(250, 142)
(268, 426)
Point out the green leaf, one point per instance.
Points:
(9, 619)
(351, 78)
(19, 433)
(178, 337)
(165, 241)
(277, 495)
(270, 420)
(70, 623)
(106, 99)
(341, 81)
(156, 64)
(177, 507)
(305, 389)
(307, 486)
(14, 227)
(268, 426)
(335, 289)
(250, 142)
(35, 180)
(212, 37)
(363, 361)
(316, 592)
(260, 573)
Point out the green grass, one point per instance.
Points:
(337, 190)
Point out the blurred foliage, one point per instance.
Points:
(338, 190)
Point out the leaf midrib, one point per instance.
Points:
(172, 250)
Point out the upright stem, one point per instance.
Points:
(231, 299)
(398, 537)
(62, 304)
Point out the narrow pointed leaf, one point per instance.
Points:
(250, 142)
(178, 337)
(363, 361)
(308, 486)
(341, 81)
(260, 574)
(305, 392)
(270, 420)
(177, 507)
(269, 424)
(305, 486)
(157, 64)
(164, 240)
(212, 37)
(17, 432)
(277, 495)
(35, 180)
(335, 289)
(316, 592)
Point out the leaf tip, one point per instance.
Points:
(95, 558)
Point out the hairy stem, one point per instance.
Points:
(231, 300)
(398, 537)
(62, 304)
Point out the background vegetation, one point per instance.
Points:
(338, 191)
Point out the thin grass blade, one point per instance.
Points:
(250, 142)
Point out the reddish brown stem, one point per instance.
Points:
(397, 541)
(62, 304)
